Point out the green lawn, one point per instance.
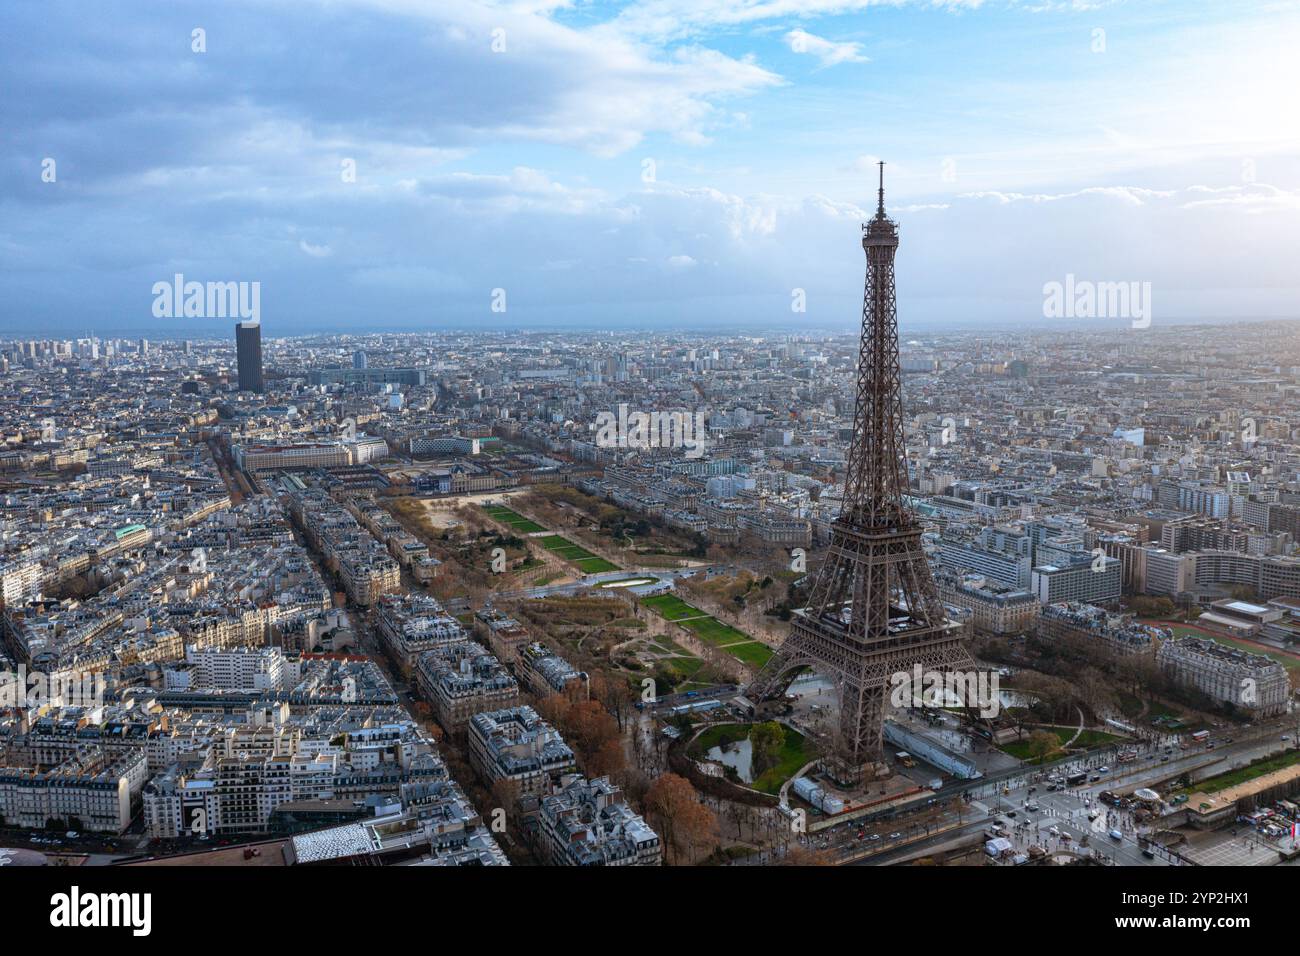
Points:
(752, 653)
(577, 555)
(714, 631)
(514, 519)
(1020, 748)
(670, 607)
(594, 565)
(1233, 777)
(681, 666)
(709, 629)
(1085, 741)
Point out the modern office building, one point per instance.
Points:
(1086, 579)
(248, 346)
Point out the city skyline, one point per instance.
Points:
(503, 434)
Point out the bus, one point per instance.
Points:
(1074, 779)
(1201, 735)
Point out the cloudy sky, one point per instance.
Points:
(388, 164)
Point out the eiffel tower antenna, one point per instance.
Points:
(873, 610)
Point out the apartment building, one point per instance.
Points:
(1113, 633)
(506, 636)
(95, 789)
(589, 823)
(995, 608)
(517, 745)
(462, 679)
(1249, 682)
(411, 624)
(544, 673)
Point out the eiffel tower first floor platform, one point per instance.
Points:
(863, 675)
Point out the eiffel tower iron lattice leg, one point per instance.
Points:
(873, 610)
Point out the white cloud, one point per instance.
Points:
(666, 20)
(316, 252)
(828, 52)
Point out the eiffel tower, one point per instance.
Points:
(873, 610)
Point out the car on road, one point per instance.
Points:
(895, 836)
(1031, 806)
(1054, 831)
(1093, 814)
(1149, 853)
(1103, 769)
(1116, 835)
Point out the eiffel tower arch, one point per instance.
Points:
(873, 610)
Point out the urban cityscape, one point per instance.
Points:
(873, 578)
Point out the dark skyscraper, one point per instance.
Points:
(248, 344)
